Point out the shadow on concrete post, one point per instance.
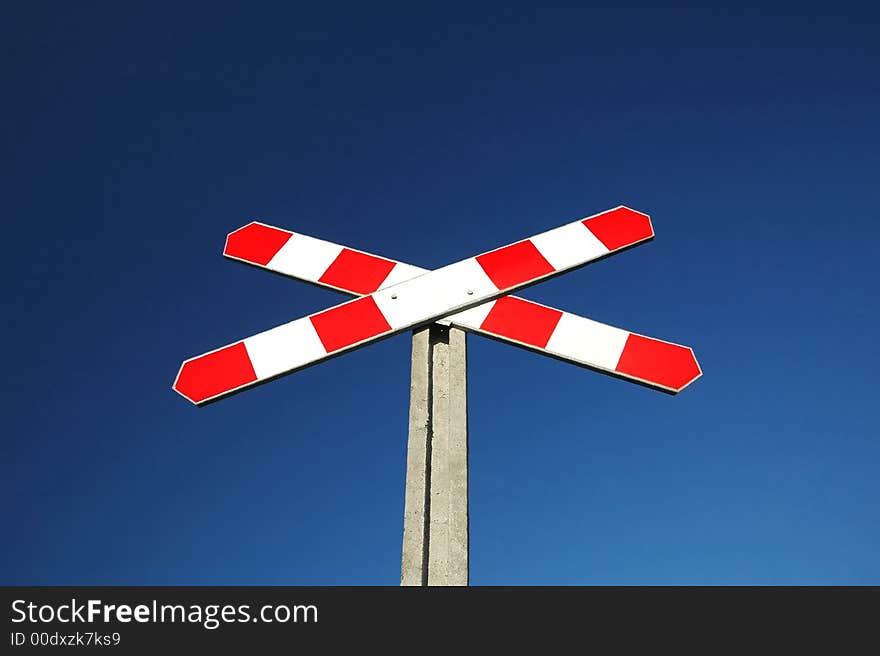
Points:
(435, 526)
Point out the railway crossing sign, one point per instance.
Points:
(472, 295)
(395, 297)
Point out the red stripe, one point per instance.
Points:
(521, 320)
(349, 323)
(669, 365)
(514, 264)
(620, 227)
(256, 243)
(357, 272)
(212, 374)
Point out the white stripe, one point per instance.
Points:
(401, 273)
(587, 341)
(569, 245)
(284, 348)
(452, 286)
(474, 317)
(305, 257)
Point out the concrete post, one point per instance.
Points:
(435, 526)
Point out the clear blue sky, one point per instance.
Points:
(135, 137)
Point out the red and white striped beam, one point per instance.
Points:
(656, 363)
(403, 305)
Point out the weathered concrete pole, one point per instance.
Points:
(435, 524)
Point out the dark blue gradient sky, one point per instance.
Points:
(136, 136)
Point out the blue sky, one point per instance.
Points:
(135, 138)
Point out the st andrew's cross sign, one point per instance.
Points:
(395, 297)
